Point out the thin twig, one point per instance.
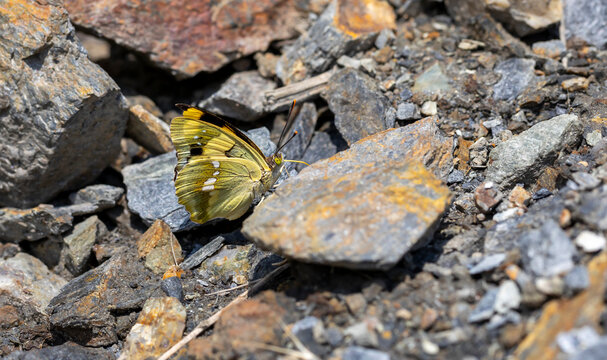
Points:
(280, 350)
(280, 99)
(210, 321)
(234, 288)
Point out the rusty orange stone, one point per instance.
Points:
(357, 17)
(155, 246)
(189, 37)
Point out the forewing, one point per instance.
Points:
(217, 187)
(200, 133)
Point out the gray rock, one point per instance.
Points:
(151, 192)
(361, 353)
(508, 297)
(488, 263)
(595, 351)
(585, 181)
(241, 96)
(484, 309)
(499, 320)
(432, 81)
(525, 18)
(348, 62)
(62, 115)
(586, 19)
(362, 334)
(517, 74)
(261, 138)
(574, 341)
(577, 279)
(385, 38)
(592, 209)
(305, 329)
(550, 48)
(455, 177)
(521, 158)
(79, 244)
(407, 111)
(68, 350)
(101, 196)
(547, 251)
(327, 40)
(358, 104)
(321, 147)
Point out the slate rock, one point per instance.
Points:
(359, 105)
(73, 111)
(213, 35)
(522, 158)
(79, 243)
(516, 75)
(592, 208)
(159, 326)
(344, 28)
(148, 130)
(488, 263)
(228, 265)
(240, 97)
(508, 297)
(321, 147)
(100, 196)
(305, 329)
(577, 279)
(26, 288)
(547, 251)
(151, 192)
(362, 353)
(485, 307)
(407, 111)
(68, 350)
(86, 308)
(326, 214)
(586, 19)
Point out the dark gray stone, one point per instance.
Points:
(586, 19)
(488, 263)
(517, 74)
(261, 138)
(151, 192)
(585, 181)
(521, 159)
(241, 96)
(66, 351)
(101, 196)
(63, 116)
(577, 279)
(547, 251)
(407, 111)
(304, 331)
(79, 243)
(321, 147)
(484, 309)
(455, 177)
(358, 104)
(592, 209)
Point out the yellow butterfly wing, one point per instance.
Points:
(217, 187)
(201, 133)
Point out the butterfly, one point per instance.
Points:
(220, 172)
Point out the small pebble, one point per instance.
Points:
(590, 242)
(429, 347)
(429, 108)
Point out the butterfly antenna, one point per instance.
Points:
(285, 129)
(297, 161)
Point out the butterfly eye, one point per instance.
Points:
(277, 160)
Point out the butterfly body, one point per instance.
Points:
(220, 172)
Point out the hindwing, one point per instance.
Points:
(217, 187)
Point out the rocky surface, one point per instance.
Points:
(454, 207)
(73, 111)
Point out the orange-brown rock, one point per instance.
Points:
(187, 38)
(155, 246)
(148, 130)
(362, 208)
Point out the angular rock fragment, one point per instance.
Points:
(79, 243)
(522, 158)
(328, 213)
(188, 39)
(148, 130)
(359, 106)
(304, 124)
(344, 28)
(547, 251)
(69, 350)
(73, 111)
(26, 287)
(587, 20)
(240, 97)
(159, 326)
(517, 74)
(155, 246)
(523, 17)
(45, 220)
(86, 308)
(432, 81)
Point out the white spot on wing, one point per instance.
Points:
(196, 137)
(216, 173)
(199, 144)
(210, 181)
(208, 187)
(204, 131)
(216, 163)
